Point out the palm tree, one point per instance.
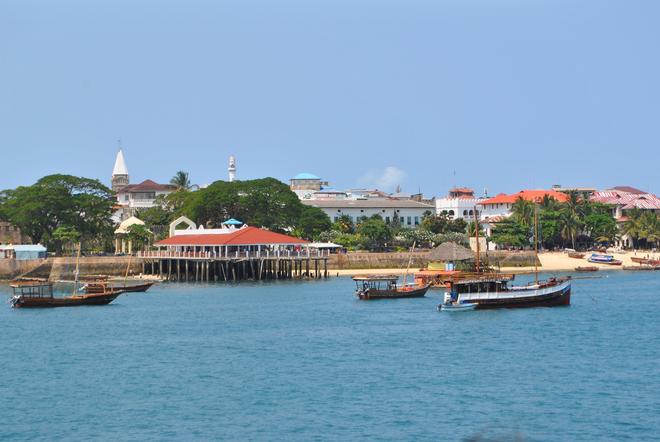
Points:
(649, 227)
(632, 227)
(182, 181)
(523, 212)
(569, 225)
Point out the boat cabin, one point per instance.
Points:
(379, 282)
(32, 289)
(478, 283)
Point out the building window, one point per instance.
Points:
(451, 213)
(409, 221)
(401, 219)
(387, 220)
(336, 218)
(361, 210)
(465, 213)
(417, 220)
(471, 213)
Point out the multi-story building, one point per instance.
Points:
(623, 199)
(134, 197)
(459, 203)
(407, 213)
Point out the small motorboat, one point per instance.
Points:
(586, 269)
(457, 307)
(576, 255)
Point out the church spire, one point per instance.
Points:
(119, 172)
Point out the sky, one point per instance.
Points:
(495, 95)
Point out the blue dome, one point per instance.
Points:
(306, 176)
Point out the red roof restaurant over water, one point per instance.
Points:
(229, 241)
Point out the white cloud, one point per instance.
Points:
(386, 179)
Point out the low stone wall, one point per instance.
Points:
(63, 268)
(376, 261)
(11, 268)
(503, 258)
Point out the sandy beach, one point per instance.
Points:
(550, 262)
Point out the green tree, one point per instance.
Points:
(510, 233)
(66, 238)
(312, 222)
(522, 212)
(344, 224)
(374, 233)
(82, 204)
(139, 235)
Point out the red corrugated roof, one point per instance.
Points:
(240, 237)
(529, 195)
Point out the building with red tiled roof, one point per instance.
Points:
(501, 204)
(133, 197)
(230, 241)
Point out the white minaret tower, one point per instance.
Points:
(232, 168)
(119, 173)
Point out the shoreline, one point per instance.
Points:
(550, 262)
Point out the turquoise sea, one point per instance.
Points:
(307, 361)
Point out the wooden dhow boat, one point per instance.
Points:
(40, 294)
(491, 290)
(576, 255)
(385, 287)
(586, 269)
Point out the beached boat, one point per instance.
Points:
(489, 291)
(598, 258)
(385, 287)
(40, 294)
(641, 267)
(645, 261)
(586, 269)
(576, 255)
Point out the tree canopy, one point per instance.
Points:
(77, 206)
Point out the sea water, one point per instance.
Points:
(306, 360)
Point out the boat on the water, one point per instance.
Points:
(576, 255)
(92, 286)
(385, 287)
(586, 269)
(598, 258)
(489, 291)
(40, 294)
(457, 307)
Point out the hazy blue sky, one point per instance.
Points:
(508, 94)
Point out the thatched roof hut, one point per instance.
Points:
(450, 251)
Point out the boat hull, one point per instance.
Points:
(393, 294)
(69, 301)
(554, 296)
(137, 288)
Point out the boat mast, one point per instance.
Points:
(536, 244)
(476, 232)
(77, 271)
(405, 275)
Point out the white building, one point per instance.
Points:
(407, 212)
(306, 184)
(459, 203)
(133, 197)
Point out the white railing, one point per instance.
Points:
(171, 254)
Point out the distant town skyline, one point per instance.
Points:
(501, 96)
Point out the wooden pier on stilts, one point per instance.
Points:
(200, 267)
